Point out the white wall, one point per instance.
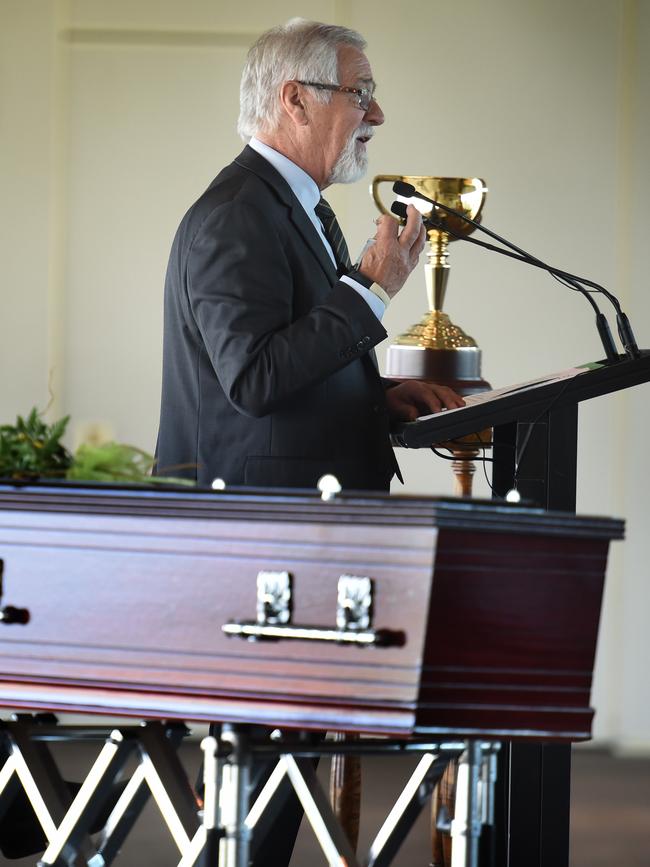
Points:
(115, 114)
(32, 119)
(633, 694)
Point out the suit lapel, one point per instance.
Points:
(253, 162)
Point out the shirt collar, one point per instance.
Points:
(302, 185)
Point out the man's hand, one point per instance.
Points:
(413, 398)
(394, 254)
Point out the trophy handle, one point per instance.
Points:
(374, 190)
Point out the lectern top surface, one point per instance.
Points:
(526, 401)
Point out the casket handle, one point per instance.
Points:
(353, 615)
(369, 638)
(9, 613)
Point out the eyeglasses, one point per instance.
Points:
(364, 96)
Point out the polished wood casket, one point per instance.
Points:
(485, 615)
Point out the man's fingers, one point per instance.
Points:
(434, 398)
(394, 254)
(410, 234)
(418, 246)
(422, 239)
(413, 398)
(430, 402)
(401, 410)
(386, 228)
(446, 396)
(451, 399)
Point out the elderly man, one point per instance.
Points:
(269, 378)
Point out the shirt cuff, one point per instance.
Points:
(373, 301)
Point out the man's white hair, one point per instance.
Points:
(298, 50)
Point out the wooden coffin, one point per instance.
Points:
(493, 609)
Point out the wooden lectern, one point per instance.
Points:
(535, 448)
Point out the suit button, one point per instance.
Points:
(360, 345)
(366, 339)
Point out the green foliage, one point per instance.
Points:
(114, 462)
(110, 462)
(32, 448)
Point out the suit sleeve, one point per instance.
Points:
(243, 294)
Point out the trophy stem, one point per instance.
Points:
(434, 349)
(436, 269)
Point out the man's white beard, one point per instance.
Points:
(352, 162)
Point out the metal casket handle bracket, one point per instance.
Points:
(9, 613)
(353, 618)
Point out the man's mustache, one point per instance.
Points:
(365, 131)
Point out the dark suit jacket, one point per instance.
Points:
(267, 377)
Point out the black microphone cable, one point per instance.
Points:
(483, 459)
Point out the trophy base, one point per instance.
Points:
(458, 368)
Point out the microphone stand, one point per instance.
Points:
(624, 327)
(601, 320)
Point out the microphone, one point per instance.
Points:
(624, 327)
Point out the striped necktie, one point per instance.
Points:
(334, 235)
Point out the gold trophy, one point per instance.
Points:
(435, 349)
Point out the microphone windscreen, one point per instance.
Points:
(399, 208)
(401, 188)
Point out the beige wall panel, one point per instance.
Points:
(27, 204)
(149, 130)
(152, 120)
(633, 732)
(190, 15)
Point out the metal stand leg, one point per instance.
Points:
(68, 813)
(208, 836)
(233, 800)
(487, 854)
(318, 811)
(223, 839)
(474, 803)
(407, 808)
